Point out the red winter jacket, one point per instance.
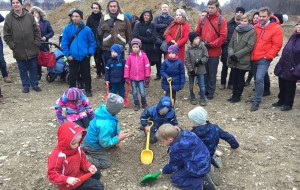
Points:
(137, 67)
(268, 40)
(181, 42)
(208, 34)
(64, 162)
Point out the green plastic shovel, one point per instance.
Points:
(149, 178)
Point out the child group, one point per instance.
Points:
(85, 136)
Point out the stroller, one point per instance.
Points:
(60, 71)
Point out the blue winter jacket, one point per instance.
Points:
(103, 130)
(174, 69)
(114, 70)
(83, 45)
(210, 134)
(188, 152)
(152, 114)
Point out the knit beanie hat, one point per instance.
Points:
(240, 9)
(73, 94)
(114, 103)
(79, 12)
(128, 15)
(174, 48)
(136, 41)
(117, 48)
(192, 36)
(198, 115)
(19, 1)
(281, 17)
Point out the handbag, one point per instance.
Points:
(46, 59)
(164, 46)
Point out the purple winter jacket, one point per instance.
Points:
(288, 66)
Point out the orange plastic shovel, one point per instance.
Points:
(107, 92)
(126, 99)
(83, 178)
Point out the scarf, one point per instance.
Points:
(178, 33)
(97, 16)
(113, 18)
(244, 28)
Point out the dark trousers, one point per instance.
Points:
(250, 76)
(100, 67)
(2, 61)
(118, 88)
(211, 75)
(84, 122)
(159, 54)
(84, 68)
(93, 183)
(224, 75)
(287, 91)
(183, 180)
(238, 81)
(267, 83)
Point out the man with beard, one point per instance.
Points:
(93, 22)
(114, 28)
(78, 45)
(231, 25)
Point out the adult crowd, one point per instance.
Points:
(244, 43)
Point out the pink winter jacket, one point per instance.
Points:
(137, 67)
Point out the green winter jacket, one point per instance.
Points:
(22, 35)
(241, 45)
(194, 53)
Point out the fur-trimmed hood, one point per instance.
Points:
(39, 10)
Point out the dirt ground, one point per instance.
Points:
(269, 155)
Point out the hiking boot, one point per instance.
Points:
(136, 105)
(216, 161)
(7, 80)
(254, 106)
(266, 93)
(235, 99)
(144, 103)
(37, 89)
(286, 108)
(25, 90)
(202, 102)
(277, 104)
(193, 101)
(88, 93)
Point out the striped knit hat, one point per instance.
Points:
(73, 94)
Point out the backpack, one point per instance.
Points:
(219, 24)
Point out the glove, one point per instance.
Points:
(147, 82)
(127, 81)
(207, 45)
(198, 63)
(61, 119)
(234, 58)
(192, 73)
(91, 115)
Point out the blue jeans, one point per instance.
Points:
(2, 60)
(138, 85)
(201, 85)
(118, 88)
(25, 67)
(259, 70)
(211, 75)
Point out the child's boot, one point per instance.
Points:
(144, 103)
(136, 105)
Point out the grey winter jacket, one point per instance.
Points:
(241, 45)
(192, 55)
(22, 35)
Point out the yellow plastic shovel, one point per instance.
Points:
(147, 154)
(171, 95)
(194, 86)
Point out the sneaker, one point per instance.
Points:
(25, 90)
(7, 80)
(88, 93)
(222, 87)
(202, 103)
(277, 104)
(286, 108)
(254, 107)
(266, 93)
(37, 89)
(193, 101)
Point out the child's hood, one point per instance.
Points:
(102, 113)
(66, 133)
(165, 101)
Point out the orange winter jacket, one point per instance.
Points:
(268, 40)
(208, 34)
